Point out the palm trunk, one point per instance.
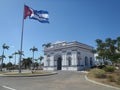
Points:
(2, 61)
(15, 60)
(33, 60)
(1, 65)
(9, 60)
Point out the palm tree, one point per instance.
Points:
(27, 62)
(40, 58)
(20, 52)
(10, 57)
(9, 65)
(15, 53)
(33, 50)
(2, 57)
(4, 46)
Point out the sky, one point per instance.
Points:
(70, 20)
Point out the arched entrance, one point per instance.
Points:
(58, 62)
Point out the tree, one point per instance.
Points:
(10, 57)
(27, 62)
(33, 50)
(118, 44)
(111, 44)
(35, 64)
(109, 49)
(4, 65)
(118, 51)
(20, 53)
(99, 42)
(101, 47)
(93, 51)
(47, 45)
(4, 46)
(9, 65)
(40, 58)
(15, 53)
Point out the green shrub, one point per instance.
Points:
(118, 81)
(98, 73)
(109, 68)
(111, 78)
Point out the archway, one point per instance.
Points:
(58, 62)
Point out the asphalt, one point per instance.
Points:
(64, 80)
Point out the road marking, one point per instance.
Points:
(8, 88)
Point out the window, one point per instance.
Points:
(86, 61)
(91, 62)
(48, 56)
(78, 53)
(68, 53)
(78, 61)
(78, 58)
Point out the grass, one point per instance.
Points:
(24, 73)
(110, 79)
(2, 72)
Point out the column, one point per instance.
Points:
(74, 58)
(45, 60)
(52, 60)
(64, 61)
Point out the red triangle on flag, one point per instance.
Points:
(27, 11)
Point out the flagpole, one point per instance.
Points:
(21, 44)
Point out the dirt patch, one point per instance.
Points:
(104, 80)
(25, 73)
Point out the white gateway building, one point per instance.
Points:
(68, 56)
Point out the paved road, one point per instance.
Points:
(62, 81)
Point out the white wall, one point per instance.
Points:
(83, 53)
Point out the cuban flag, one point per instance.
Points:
(42, 16)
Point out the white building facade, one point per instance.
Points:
(68, 56)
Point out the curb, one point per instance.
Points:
(100, 83)
(30, 75)
(84, 72)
